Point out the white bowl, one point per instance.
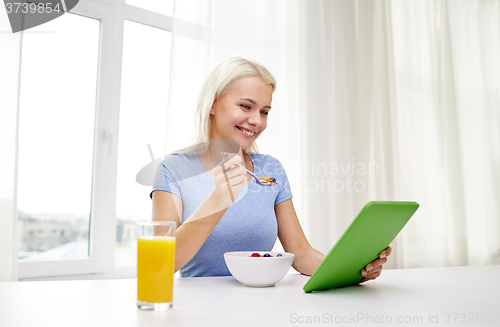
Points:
(258, 271)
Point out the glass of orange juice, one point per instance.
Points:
(155, 264)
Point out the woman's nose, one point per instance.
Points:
(255, 119)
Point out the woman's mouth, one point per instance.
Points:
(245, 132)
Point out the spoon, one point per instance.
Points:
(261, 181)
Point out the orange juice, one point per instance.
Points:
(155, 269)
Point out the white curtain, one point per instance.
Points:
(10, 53)
(376, 100)
(434, 95)
(444, 114)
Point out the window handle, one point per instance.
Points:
(108, 137)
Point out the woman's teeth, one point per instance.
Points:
(247, 132)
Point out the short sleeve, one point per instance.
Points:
(285, 192)
(166, 179)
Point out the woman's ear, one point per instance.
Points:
(212, 111)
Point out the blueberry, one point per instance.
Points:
(267, 255)
(279, 255)
(273, 179)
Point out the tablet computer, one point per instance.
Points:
(375, 227)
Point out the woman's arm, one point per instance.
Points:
(191, 234)
(306, 258)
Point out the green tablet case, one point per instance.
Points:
(375, 227)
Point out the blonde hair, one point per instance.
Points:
(218, 83)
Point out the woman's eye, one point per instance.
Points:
(244, 106)
(265, 113)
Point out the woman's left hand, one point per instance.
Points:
(374, 268)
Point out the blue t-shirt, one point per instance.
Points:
(249, 223)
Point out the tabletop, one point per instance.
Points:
(452, 296)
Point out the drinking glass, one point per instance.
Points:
(155, 264)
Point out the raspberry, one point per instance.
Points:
(255, 255)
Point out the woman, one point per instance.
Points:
(219, 208)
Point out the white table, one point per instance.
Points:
(422, 297)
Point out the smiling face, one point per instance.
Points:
(241, 114)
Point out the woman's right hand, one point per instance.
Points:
(229, 177)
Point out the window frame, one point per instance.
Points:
(102, 231)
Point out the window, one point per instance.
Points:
(70, 116)
(56, 135)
